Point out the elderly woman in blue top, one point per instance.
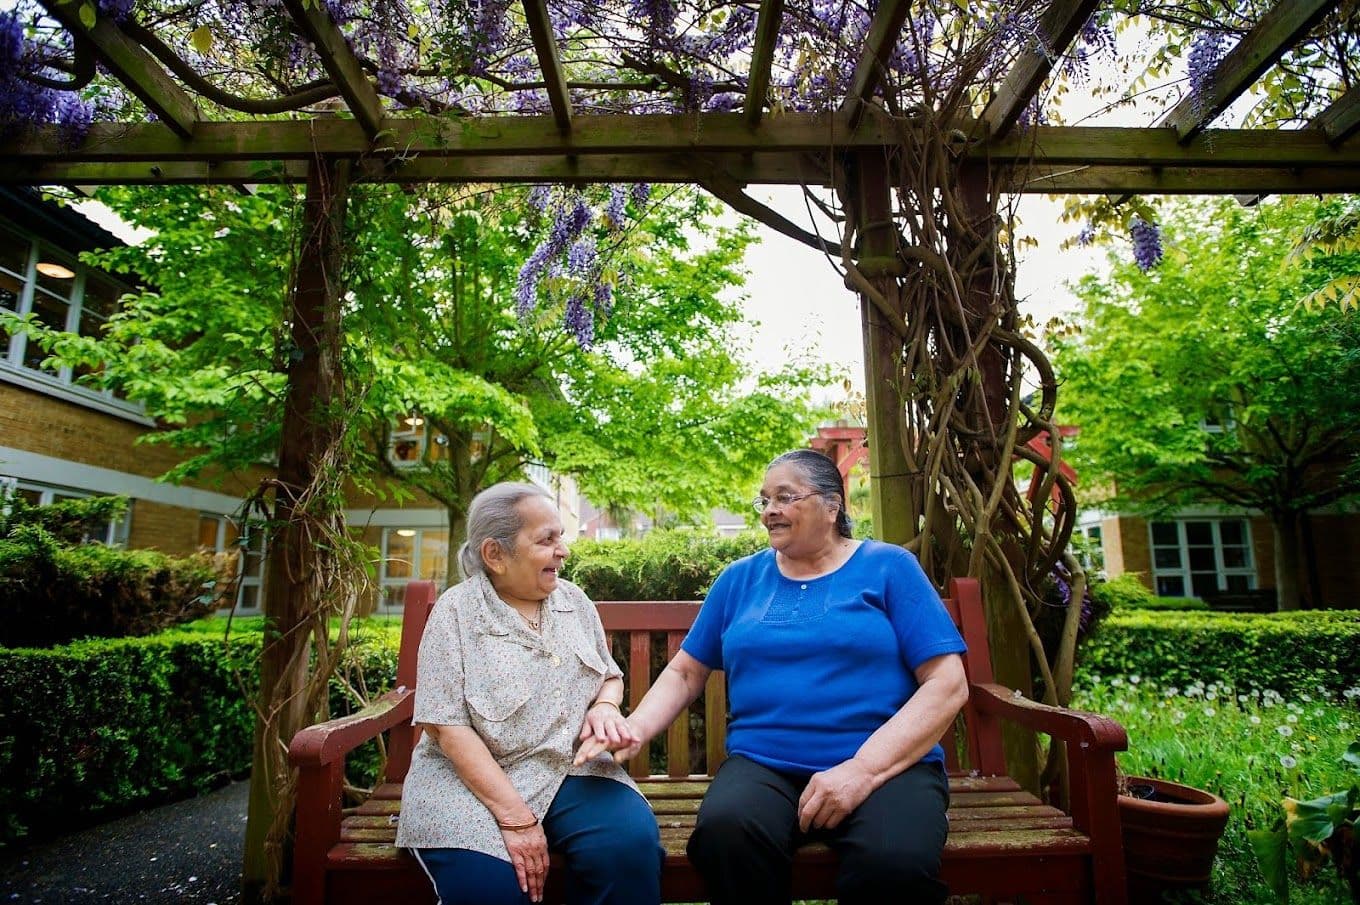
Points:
(843, 673)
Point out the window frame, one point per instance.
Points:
(1185, 572)
(391, 589)
(62, 383)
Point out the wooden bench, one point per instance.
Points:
(1004, 843)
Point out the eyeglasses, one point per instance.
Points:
(780, 500)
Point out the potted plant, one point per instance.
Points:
(1171, 834)
(1317, 830)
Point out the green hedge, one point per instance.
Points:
(94, 728)
(97, 728)
(1288, 652)
(1126, 592)
(54, 587)
(664, 565)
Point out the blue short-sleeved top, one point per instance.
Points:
(815, 666)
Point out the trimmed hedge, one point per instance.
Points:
(95, 728)
(1290, 653)
(1126, 592)
(54, 587)
(664, 565)
(98, 728)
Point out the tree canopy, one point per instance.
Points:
(641, 395)
(1207, 380)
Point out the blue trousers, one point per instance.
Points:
(606, 832)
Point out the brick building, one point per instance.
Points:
(59, 439)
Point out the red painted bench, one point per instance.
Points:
(1004, 843)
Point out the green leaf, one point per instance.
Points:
(1312, 821)
(1352, 755)
(201, 38)
(1271, 848)
(87, 15)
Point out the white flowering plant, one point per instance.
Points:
(1317, 830)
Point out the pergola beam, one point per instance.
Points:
(1058, 27)
(340, 63)
(549, 61)
(768, 169)
(884, 30)
(129, 62)
(670, 134)
(1283, 26)
(762, 58)
(1341, 119)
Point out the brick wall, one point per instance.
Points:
(1132, 545)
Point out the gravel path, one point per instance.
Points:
(189, 851)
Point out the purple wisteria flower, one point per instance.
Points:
(580, 320)
(581, 259)
(1086, 236)
(1147, 243)
(1206, 51)
(614, 210)
(117, 10)
(641, 192)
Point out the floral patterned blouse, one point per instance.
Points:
(526, 695)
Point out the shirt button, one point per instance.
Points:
(804, 587)
(556, 660)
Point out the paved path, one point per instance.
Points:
(189, 851)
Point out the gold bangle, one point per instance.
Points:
(514, 827)
(610, 703)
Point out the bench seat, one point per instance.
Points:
(1004, 844)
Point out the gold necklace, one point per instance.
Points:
(533, 623)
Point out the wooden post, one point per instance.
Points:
(892, 492)
(1005, 628)
(293, 558)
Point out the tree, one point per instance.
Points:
(651, 408)
(1206, 380)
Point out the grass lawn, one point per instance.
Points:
(1250, 746)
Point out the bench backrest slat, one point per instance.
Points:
(638, 620)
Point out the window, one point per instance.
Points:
(410, 444)
(220, 534)
(411, 553)
(60, 293)
(113, 533)
(1202, 557)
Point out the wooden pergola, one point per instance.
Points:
(361, 139)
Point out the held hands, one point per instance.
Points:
(606, 729)
(528, 849)
(831, 795)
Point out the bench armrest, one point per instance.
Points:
(332, 740)
(1089, 730)
(318, 752)
(1090, 741)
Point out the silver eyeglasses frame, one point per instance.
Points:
(780, 500)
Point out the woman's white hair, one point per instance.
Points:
(494, 515)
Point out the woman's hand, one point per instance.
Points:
(606, 729)
(830, 796)
(528, 850)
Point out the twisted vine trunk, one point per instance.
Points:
(945, 369)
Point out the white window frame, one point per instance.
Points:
(1221, 571)
(243, 581)
(115, 532)
(62, 383)
(390, 589)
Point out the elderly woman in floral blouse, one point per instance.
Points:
(513, 672)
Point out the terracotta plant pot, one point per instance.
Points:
(1170, 838)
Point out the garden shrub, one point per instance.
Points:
(1297, 652)
(1126, 592)
(101, 727)
(664, 565)
(96, 728)
(55, 588)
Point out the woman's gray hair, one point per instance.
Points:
(494, 515)
(820, 472)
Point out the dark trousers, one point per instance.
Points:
(889, 847)
(604, 829)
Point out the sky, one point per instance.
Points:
(798, 308)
